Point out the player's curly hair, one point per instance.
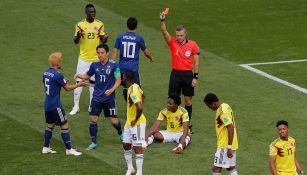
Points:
(176, 98)
(281, 122)
(210, 98)
(129, 74)
(89, 5)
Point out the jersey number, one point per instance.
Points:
(90, 35)
(47, 86)
(102, 78)
(129, 49)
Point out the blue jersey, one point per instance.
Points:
(129, 44)
(104, 79)
(53, 81)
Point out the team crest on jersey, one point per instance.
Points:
(188, 53)
(177, 118)
(95, 28)
(108, 71)
(97, 69)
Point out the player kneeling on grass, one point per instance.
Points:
(177, 130)
(54, 113)
(134, 131)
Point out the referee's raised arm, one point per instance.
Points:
(165, 33)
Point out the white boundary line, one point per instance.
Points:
(286, 83)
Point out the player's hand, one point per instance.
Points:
(81, 83)
(67, 80)
(77, 76)
(133, 122)
(108, 92)
(162, 16)
(80, 34)
(229, 153)
(151, 59)
(194, 82)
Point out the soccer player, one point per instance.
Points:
(177, 129)
(134, 131)
(282, 159)
(129, 45)
(54, 113)
(107, 74)
(185, 57)
(89, 32)
(227, 141)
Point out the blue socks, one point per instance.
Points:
(66, 138)
(48, 135)
(93, 131)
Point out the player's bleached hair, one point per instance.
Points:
(281, 122)
(210, 98)
(89, 5)
(129, 74)
(104, 46)
(180, 27)
(132, 23)
(176, 98)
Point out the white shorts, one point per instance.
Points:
(135, 135)
(171, 136)
(83, 67)
(221, 159)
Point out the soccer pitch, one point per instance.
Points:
(229, 32)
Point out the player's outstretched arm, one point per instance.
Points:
(272, 160)
(153, 129)
(82, 76)
(147, 54)
(185, 133)
(166, 35)
(72, 87)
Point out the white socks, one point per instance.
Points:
(128, 157)
(233, 172)
(91, 89)
(187, 140)
(77, 94)
(139, 163)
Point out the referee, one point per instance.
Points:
(185, 57)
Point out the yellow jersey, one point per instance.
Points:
(135, 95)
(285, 156)
(174, 120)
(224, 117)
(90, 40)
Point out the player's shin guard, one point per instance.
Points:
(139, 158)
(77, 94)
(125, 92)
(66, 138)
(118, 127)
(150, 140)
(93, 131)
(48, 135)
(128, 158)
(233, 172)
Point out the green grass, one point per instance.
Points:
(294, 73)
(231, 32)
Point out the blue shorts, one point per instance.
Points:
(56, 116)
(136, 79)
(109, 108)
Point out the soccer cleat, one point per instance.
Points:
(73, 152)
(91, 146)
(47, 150)
(130, 171)
(177, 150)
(74, 110)
(121, 137)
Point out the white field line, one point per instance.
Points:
(286, 83)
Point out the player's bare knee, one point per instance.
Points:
(127, 146)
(216, 169)
(187, 101)
(158, 137)
(94, 119)
(138, 149)
(113, 120)
(231, 168)
(52, 125)
(64, 125)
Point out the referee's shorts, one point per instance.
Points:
(181, 82)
